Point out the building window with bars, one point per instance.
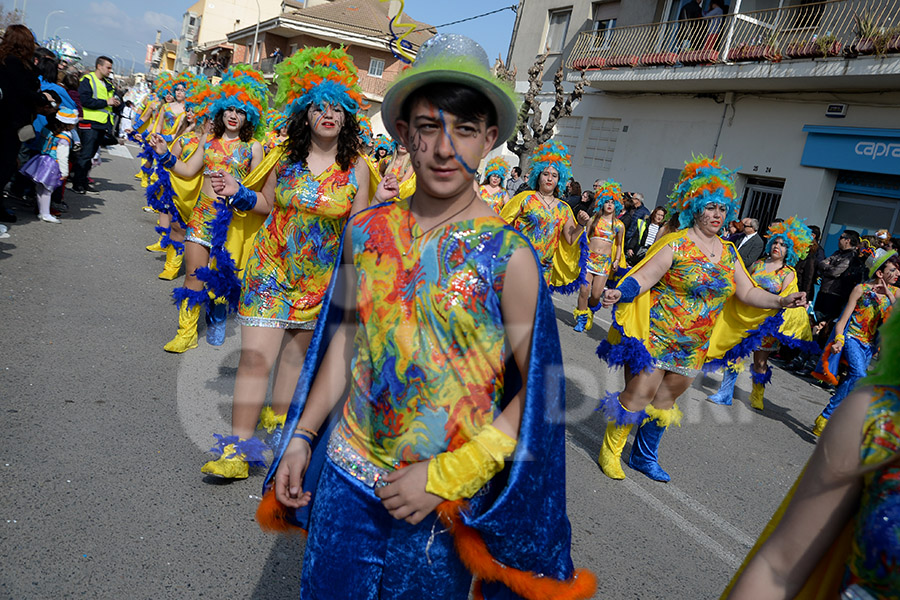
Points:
(600, 144)
(761, 200)
(376, 67)
(557, 30)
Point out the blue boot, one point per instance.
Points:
(645, 451)
(726, 389)
(581, 319)
(215, 323)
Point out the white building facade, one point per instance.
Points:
(817, 136)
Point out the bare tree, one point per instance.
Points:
(530, 132)
(9, 17)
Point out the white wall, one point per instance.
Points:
(764, 134)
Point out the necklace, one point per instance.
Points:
(416, 238)
(710, 253)
(547, 205)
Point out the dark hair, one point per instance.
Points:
(816, 231)
(459, 100)
(853, 235)
(246, 132)
(891, 260)
(299, 139)
(47, 66)
(661, 209)
(517, 171)
(102, 59)
(574, 188)
(18, 41)
(70, 81)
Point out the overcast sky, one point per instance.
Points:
(124, 28)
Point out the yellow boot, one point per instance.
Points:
(821, 422)
(611, 451)
(186, 338)
(756, 396)
(173, 263)
(582, 319)
(236, 457)
(273, 424)
(156, 246)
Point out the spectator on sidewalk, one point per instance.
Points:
(635, 211)
(840, 273)
(751, 245)
(514, 182)
(97, 102)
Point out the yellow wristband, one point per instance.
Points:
(839, 339)
(461, 473)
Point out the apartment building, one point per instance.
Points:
(800, 97)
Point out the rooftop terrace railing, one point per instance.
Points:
(829, 28)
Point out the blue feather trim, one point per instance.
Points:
(179, 247)
(325, 92)
(193, 297)
(221, 280)
(223, 441)
(253, 449)
(584, 253)
(761, 378)
(165, 195)
(618, 414)
(751, 342)
(629, 352)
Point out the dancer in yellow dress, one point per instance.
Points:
(217, 237)
(547, 222)
(492, 190)
(668, 317)
(318, 183)
(606, 239)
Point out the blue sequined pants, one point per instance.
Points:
(858, 357)
(357, 551)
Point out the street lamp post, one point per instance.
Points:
(47, 20)
(256, 32)
(58, 29)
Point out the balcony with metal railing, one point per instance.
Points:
(848, 43)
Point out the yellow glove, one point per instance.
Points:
(461, 473)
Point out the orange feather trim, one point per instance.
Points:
(272, 516)
(826, 375)
(478, 560)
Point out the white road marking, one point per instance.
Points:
(119, 150)
(701, 538)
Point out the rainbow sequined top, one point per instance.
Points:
(232, 156)
(771, 281)
(189, 143)
(874, 561)
(428, 372)
(685, 304)
(495, 200)
(542, 227)
(607, 230)
(296, 251)
(870, 312)
(271, 141)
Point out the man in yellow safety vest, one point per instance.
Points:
(97, 102)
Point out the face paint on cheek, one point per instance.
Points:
(456, 156)
(318, 120)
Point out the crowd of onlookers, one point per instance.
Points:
(43, 100)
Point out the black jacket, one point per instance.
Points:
(21, 94)
(752, 250)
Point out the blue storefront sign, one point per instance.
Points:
(852, 149)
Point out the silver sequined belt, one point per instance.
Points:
(348, 459)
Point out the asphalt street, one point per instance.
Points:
(101, 495)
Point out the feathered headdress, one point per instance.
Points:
(497, 166)
(797, 238)
(609, 190)
(164, 85)
(365, 129)
(551, 154)
(275, 119)
(199, 98)
(383, 141)
(244, 88)
(318, 76)
(702, 182)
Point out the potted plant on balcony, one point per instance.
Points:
(763, 50)
(818, 47)
(888, 40)
(866, 34)
(829, 45)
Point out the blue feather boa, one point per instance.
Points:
(761, 378)
(252, 448)
(754, 339)
(325, 92)
(629, 352)
(221, 280)
(583, 255)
